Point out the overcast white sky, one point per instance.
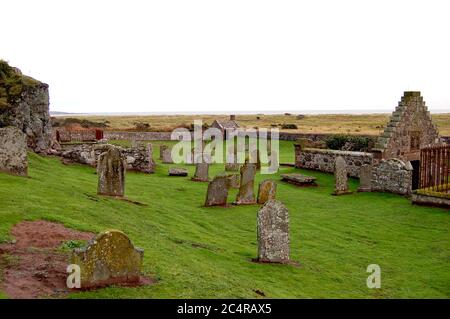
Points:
(207, 56)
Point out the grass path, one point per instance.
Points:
(198, 252)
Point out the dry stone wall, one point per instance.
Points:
(392, 176)
(323, 159)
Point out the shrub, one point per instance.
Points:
(289, 126)
(349, 143)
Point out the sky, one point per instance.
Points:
(224, 56)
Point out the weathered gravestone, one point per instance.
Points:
(217, 192)
(299, 179)
(167, 156)
(273, 233)
(162, 147)
(109, 258)
(201, 172)
(340, 177)
(151, 162)
(13, 151)
(111, 173)
(234, 180)
(246, 193)
(232, 167)
(267, 191)
(176, 171)
(365, 177)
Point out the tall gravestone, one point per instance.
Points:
(267, 191)
(246, 193)
(365, 177)
(151, 162)
(273, 233)
(111, 173)
(340, 176)
(167, 156)
(162, 147)
(217, 192)
(13, 151)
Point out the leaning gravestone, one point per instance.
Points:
(267, 191)
(13, 151)
(273, 232)
(111, 173)
(109, 258)
(365, 177)
(201, 172)
(217, 192)
(162, 147)
(340, 176)
(167, 156)
(246, 193)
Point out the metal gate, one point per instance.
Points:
(435, 168)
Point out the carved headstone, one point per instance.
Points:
(167, 156)
(273, 232)
(13, 151)
(246, 193)
(217, 192)
(109, 258)
(340, 177)
(267, 191)
(111, 173)
(201, 172)
(365, 176)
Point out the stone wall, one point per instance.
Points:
(323, 159)
(137, 158)
(392, 176)
(139, 136)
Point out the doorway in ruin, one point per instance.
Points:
(416, 174)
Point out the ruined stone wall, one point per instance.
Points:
(137, 158)
(323, 159)
(139, 136)
(392, 176)
(409, 129)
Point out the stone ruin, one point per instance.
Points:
(111, 173)
(267, 191)
(138, 159)
(13, 151)
(340, 177)
(24, 103)
(273, 233)
(110, 258)
(246, 193)
(393, 176)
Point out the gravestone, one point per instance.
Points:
(267, 191)
(299, 179)
(111, 173)
(201, 172)
(234, 180)
(365, 177)
(110, 258)
(151, 162)
(246, 193)
(232, 167)
(176, 171)
(217, 192)
(273, 233)
(340, 177)
(162, 147)
(167, 156)
(13, 151)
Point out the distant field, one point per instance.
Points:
(341, 123)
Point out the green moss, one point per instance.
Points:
(13, 82)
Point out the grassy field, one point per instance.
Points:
(198, 252)
(372, 124)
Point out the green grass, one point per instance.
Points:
(197, 252)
